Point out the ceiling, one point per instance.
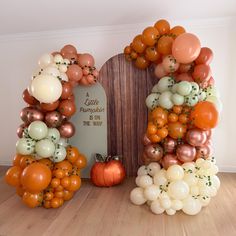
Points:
(21, 16)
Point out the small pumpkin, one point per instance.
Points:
(107, 171)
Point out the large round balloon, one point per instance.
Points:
(186, 48)
(36, 177)
(38, 130)
(46, 88)
(204, 115)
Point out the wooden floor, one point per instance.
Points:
(108, 211)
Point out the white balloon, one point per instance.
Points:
(175, 172)
(216, 101)
(191, 206)
(170, 212)
(184, 88)
(178, 189)
(66, 61)
(25, 146)
(143, 181)
(189, 167)
(176, 204)
(142, 170)
(46, 88)
(152, 192)
(213, 170)
(51, 70)
(53, 135)
(205, 201)
(137, 196)
(63, 68)
(37, 72)
(155, 89)
(165, 203)
(64, 76)
(165, 100)
(160, 177)
(58, 59)
(153, 168)
(45, 60)
(194, 190)
(202, 95)
(163, 195)
(215, 181)
(212, 91)
(156, 207)
(190, 179)
(152, 100)
(177, 99)
(165, 84)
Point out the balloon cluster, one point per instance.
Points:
(187, 187)
(184, 105)
(46, 169)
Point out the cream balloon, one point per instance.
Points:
(63, 68)
(190, 179)
(38, 130)
(178, 189)
(205, 201)
(51, 70)
(137, 196)
(160, 177)
(46, 88)
(170, 212)
(45, 60)
(175, 172)
(176, 204)
(63, 142)
(191, 206)
(151, 192)
(59, 154)
(194, 190)
(165, 203)
(184, 88)
(45, 148)
(143, 181)
(142, 170)
(153, 168)
(58, 59)
(177, 99)
(189, 167)
(53, 135)
(156, 207)
(64, 76)
(215, 181)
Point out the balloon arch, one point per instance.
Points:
(179, 172)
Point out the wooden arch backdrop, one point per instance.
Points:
(126, 88)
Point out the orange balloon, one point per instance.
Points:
(176, 130)
(75, 183)
(12, 177)
(164, 45)
(32, 199)
(64, 165)
(81, 162)
(127, 50)
(141, 62)
(20, 191)
(176, 31)
(55, 202)
(150, 36)
(36, 177)
(72, 154)
(162, 26)
(67, 195)
(65, 182)
(138, 45)
(26, 160)
(204, 115)
(17, 159)
(152, 54)
(47, 162)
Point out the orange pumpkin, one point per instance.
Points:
(107, 172)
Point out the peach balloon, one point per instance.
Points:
(201, 73)
(74, 73)
(68, 49)
(183, 68)
(86, 60)
(186, 48)
(160, 71)
(184, 77)
(170, 64)
(84, 81)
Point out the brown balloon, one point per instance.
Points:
(28, 98)
(146, 140)
(20, 130)
(53, 119)
(67, 130)
(67, 108)
(74, 73)
(186, 152)
(169, 145)
(154, 152)
(49, 106)
(34, 115)
(67, 90)
(169, 160)
(24, 114)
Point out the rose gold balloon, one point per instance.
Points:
(86, 60)
(74, 73)
(196, 137)
(184, 77)
(146, 140)
(169, 160)
(24, 114)
(91, 79)
(68, 49)
(70, 56)
(20, 130)
(53, 119)
(169, 145)
(204, 152)
(84, 81)
(208, 133)
(154, 152)
(34, 115)
(67, 130)
(186, 153)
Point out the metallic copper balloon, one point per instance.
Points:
(154, 152)
(196, 137)
(34, 115)
(208, 133)
(24, 114)
(145, 159)
(204, 152)
(67, 90)
(67, 130)
(186, 152)
(146, 140)
(28, 98)
(20, 130)
(53, 119)
(169, 160)
(169, 145)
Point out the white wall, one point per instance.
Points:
(19, 54)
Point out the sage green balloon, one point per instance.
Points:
(165, 84)
(184, 88)
(174, 88)
(38, 130)
(152, 100)
(191, 100)
(195, 87)
(59, 154)
(177, 99)
(202, 95)
(25, 146)
(63, 142)
(45, 148)
(216, 101)
(165, 100)
(155, 88)
(53, 135)
(26, 133)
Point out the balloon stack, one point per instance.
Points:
(179, 172)
(46, 169)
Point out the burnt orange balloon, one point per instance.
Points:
(67, 195)
(67, 108)
(36, 177)
(164, 45)
(81, 162)
(75, 183)
(141, 62)
(20, 191)
(152, 54)
(17, 159)
(107, 174)
(47, 162)
(28, 98)
(26, 160)
(162, 26)
(204, 115)
(150, 36)
(176, 130)
(177, 30)
(64, 165)
(49, 106)
(12, 176)
(138, 45)
(72, 154)
(32, 200)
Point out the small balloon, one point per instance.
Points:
(20, 130)
(74, 73)
(53, 135)
(186, 153)
(67, 130)
(201, 73)
(29, 98)
(34, 115)
(86, 60)
(169, 145)
(25, 146)
(49, 106)
(196, 137)
(169, 160)
(59, 154)
(53, 119)
(146, 140)
(170, 64)
(154, 152)
(160, 71)
(205, 56)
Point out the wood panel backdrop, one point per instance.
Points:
(126, 88)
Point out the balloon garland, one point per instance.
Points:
(46, 169)
(184, 106)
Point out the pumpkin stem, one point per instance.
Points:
(99, 158)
